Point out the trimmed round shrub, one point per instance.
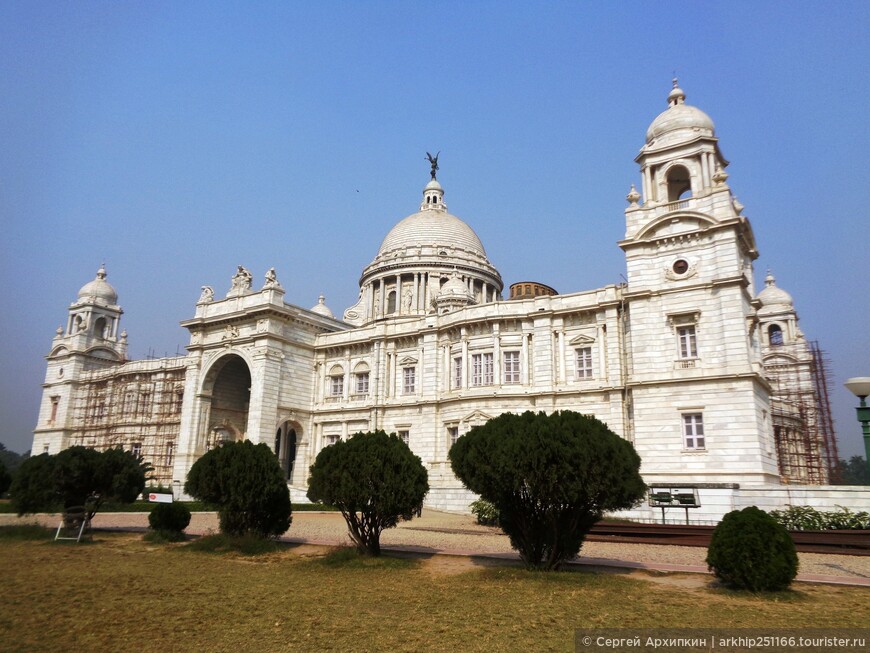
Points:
(172, 517)
(246, 484)
(550, 477)
(750, 550)
(374, 479)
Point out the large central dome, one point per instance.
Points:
(427, 229)
(417, 256)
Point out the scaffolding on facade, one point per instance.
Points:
(801, 416)
(138, 410)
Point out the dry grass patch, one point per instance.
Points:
(122, 594)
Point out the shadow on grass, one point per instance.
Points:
(248, 545)
(348, 557)
(31, 532)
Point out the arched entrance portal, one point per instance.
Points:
(286, 439)
(229, 380)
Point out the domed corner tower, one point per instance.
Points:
(695, 372)
(802, 426)
(418, 256)
(90, 341)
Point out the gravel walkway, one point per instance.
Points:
(451, 533)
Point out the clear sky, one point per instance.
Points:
(177, 140)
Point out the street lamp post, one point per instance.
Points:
(860, 387)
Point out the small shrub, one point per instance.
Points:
(750, 550)
(173, 517)
(485, 512)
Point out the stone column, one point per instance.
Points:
(705, 172)
(496, 358)
(602, 352)
(525, 365)
(465, 370)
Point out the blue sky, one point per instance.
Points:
(175, 141)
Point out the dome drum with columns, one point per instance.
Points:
(419, 255)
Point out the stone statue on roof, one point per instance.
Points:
(434, 162)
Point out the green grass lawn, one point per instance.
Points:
(119, 593)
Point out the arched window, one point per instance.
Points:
(100, 327)
(679, 184)
(391, 302)
(774, 335)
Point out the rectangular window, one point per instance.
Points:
(332, 439)
(409, 378)
(584, 363)
(481, 369)
(55, 402)
(452, 434)
(457, 372)
(170, 452)
(405, 436)
(362, 383)
(336, 385)
(687, 341)
(512, 367)
(136, 449)
(693, 430)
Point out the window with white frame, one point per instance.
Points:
(404, 436)
(409, 380)
(361, 385)
(452, 434)
(457, 372)
(693, 431)
(136, 449)
(687, 341)
(481, 369)
(583, 358)
(336, 385)
(332, 439)
(511, 367)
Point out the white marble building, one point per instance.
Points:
(672, 360)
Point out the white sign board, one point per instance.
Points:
(156, 497)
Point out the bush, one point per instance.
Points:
(172, 517)
(245, 482)
(486, 512)
(805, 518)
(374, 480)
(749, 550)
(78, 476)
(551, 477)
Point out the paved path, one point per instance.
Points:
(439, 533)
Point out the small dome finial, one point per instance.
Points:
(676, 96)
